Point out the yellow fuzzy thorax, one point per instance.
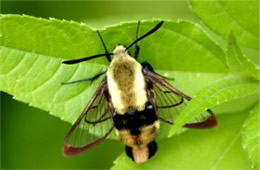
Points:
(126, 82)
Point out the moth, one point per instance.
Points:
(132, 99)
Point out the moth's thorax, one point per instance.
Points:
(126, 82)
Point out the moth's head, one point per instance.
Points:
(120, 50)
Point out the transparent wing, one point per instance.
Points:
(93, 125)
(170, 102)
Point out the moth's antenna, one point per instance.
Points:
(136, 37)
(107, 53)
(85, 58)
(145, 35)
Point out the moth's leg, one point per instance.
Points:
(137, 48)
(87, 79)
(150, 68)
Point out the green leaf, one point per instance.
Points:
(165, 49)
(168, 48)
(216, 148)
(32, 50)
(237, 61)
(219, 92)
(241, 17)
(36, 79)
(251, 137)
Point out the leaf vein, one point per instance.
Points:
(226, 150)
(16, 65)
(45, 82)
(194, 40)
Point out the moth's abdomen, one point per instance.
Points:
(135, 119)
(137, 130)
(141, 154)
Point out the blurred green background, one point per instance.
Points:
(31, 138)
